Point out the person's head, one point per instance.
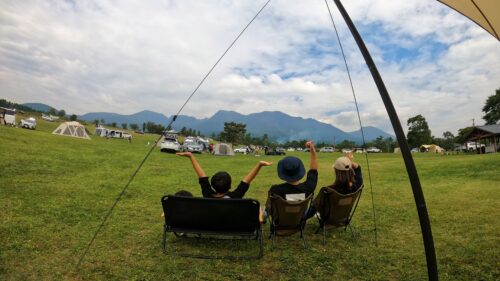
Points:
(183, 193)
(221, 182)
(344, 174)
(291, 169)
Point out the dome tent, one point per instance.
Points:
(71, 129)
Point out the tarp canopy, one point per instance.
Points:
(486, 13)
(71, 129)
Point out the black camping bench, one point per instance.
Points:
(224, 218)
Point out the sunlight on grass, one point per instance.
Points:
(56, 190)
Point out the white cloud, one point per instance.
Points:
(127, 56)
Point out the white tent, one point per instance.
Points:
(71, 129)
(223, 149)
(431, 148)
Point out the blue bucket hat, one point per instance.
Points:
(291, 169)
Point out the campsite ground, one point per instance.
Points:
(54, 192)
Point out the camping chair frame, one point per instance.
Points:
(323, 219)
(216, 216)
(276, 226)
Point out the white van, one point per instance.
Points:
(8, 116)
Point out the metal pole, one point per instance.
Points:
(423, 216)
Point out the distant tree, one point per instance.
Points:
(492, 109)
(463, 134)
(346, 144)
(52, 111)
(154, 128)
(96, 122)
(61, 113)
(124, 126)
(233, 132)
(73, 117)
(102, 122)
(134, 126)
(418, 131)
(113, 124)
(144, 127)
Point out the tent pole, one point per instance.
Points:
(423, 216)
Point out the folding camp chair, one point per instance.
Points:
(336, 209)
(287, 217)
(229, 218)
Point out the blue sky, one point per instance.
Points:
(127, 56)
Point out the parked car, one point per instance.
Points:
(359, 150)
(346, 150)
(191, 146)
(170, 146)
(29, 123)
(8, 116)
(275, 151)
(326, 149)
(240, 150)
(373, 150)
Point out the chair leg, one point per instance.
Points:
(324, 236)
(352, 232)
(261, 244)
(303, 238)
(164, 242)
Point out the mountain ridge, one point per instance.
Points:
(277, 125)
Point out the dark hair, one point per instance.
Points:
(183, 193)
(342, 178)
(221, 182)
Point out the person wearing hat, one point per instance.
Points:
(348, 179)
(291, 170)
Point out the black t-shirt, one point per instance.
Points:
(209, 192)
(306, 187)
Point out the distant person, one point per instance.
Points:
(348, 179)
(220, 184)
(291, 170)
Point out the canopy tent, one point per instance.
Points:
(486, 13)
(223, 149)
(71, 129)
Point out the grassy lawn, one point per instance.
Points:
(54, 192)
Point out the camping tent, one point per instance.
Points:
(223, 149)
(71, 129)
(431, 148)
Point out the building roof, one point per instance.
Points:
(494, 129)
(486, 131)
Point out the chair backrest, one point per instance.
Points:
(338, 208)
(191, 214)
(287, 216)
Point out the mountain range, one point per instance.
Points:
(277, 125)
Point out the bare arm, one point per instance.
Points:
(197, 168)
(351, 157)
(253, 173)
(314, 159)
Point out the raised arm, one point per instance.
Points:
(197, 168)
(351, 157)
(314, 159)
(253, 173)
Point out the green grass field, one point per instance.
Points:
(54, 192)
